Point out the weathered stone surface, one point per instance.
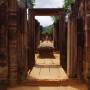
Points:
(12, 41)
(88, 6)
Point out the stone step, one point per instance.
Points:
(45, 82)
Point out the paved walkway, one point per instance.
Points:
(74, 85)
(48, 61)
(50, 69)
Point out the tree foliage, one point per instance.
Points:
(48, 30)
(55, 18)
(67, 4)
(28, 3)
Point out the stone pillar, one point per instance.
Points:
(80, 47)
(3, 47)
(36, 29)
(22, 44)
(71, 47)
(37, 34)
(26, 44)
(61, 41)
(87, 42)
(56, 35)
(12, 42)
(31, 40)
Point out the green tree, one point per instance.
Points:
(55, 18)
(28, 3)
(48, 30)
(67, 4)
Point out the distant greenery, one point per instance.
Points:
(48, 30)
(55, 18)
(28, 3)
(67, 4)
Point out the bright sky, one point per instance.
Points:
(47, 20)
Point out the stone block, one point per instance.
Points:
(3, 85)
(88, 6)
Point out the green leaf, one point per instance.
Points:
(67, 4)
(29, 3)
(55, 18)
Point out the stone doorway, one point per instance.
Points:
(14, 39)
(61, 34)
(31, 40)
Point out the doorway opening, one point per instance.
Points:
(47, 44)
(46, 36)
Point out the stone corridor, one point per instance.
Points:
(20, 37)
(71, 87)
(49, 75)
(48, 69)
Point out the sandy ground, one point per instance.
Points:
(50, 69)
